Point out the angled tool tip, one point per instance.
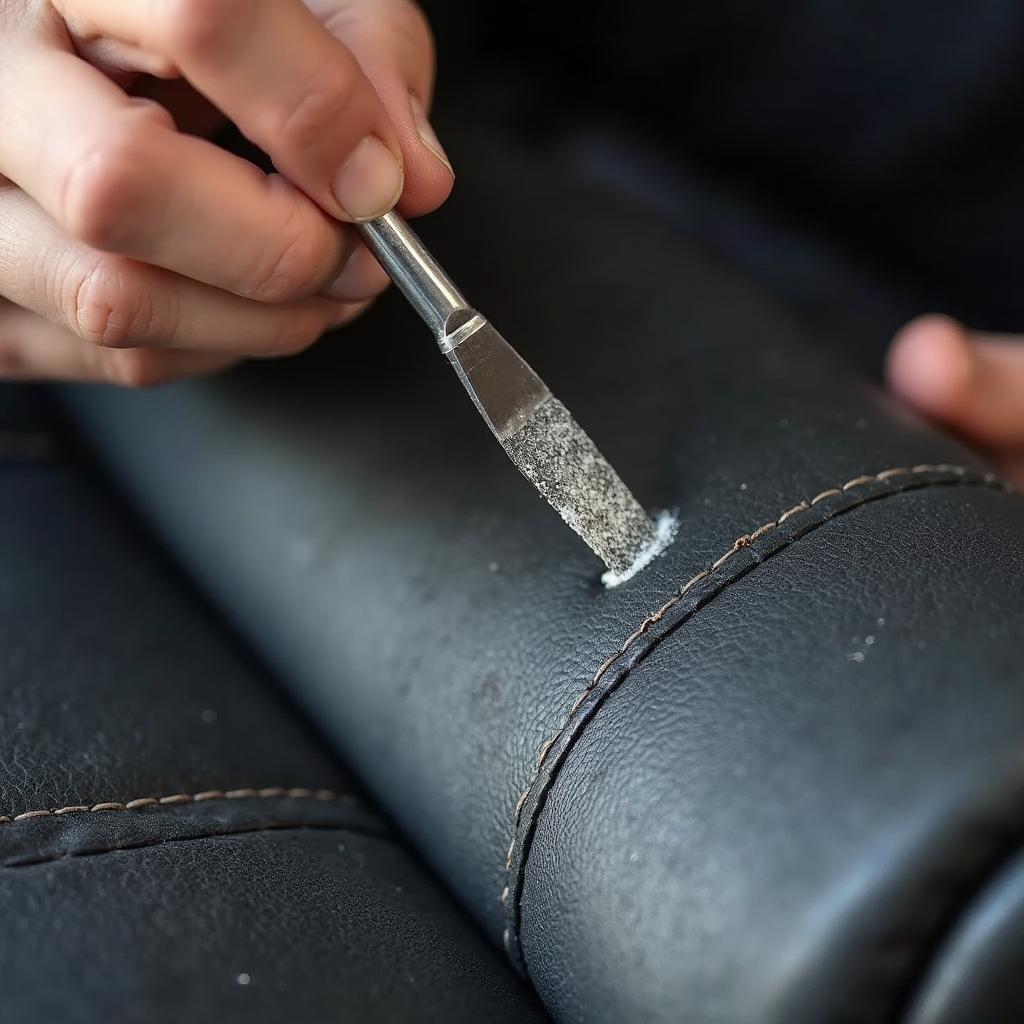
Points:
(551, 450)
(563, 463)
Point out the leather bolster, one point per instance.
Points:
(174, 843)
(767, 778)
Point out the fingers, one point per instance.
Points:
(113, 172)
(31, 348)
(114, 302)
(291, 86)
(393, 44)
(362, 278)
(972, 382)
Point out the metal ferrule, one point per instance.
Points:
(430, 291)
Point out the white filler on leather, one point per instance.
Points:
(536, 430)
(555, 454)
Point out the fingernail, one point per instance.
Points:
(427, 133)
(370, 183)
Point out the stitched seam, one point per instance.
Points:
(267, 793)
(147, 843)
(742, 542)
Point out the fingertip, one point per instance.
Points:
(930, 364)
(427, 135)
(429, 176)
(427, 188)
(370, 182)
(394, 47)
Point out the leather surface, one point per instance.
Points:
(772, 805)
(311, 926)
(976, 975)
(174, 843)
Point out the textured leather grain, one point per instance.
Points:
(759, 781)
(174, 843)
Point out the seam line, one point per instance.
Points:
(267, 793)
(952, 474)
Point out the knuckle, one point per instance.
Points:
(291, 267)
(323, 103)
(198, 27)
(101, 191)
(105, 307)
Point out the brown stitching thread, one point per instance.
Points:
(988, 479)
(738, 545)
(268, 793)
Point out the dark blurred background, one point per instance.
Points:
(860, 153)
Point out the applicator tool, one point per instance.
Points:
(536, 430)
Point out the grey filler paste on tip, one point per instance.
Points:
(534, 428)
(552, 451)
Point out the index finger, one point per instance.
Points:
(291, 87)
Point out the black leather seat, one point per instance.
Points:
(775, 777)
(175, 843)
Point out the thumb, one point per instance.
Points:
(393, 45)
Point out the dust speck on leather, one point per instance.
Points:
(553, 452)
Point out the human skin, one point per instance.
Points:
(970, 382)
(134, 250)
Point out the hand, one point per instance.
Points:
(136, 252)
(971, 382)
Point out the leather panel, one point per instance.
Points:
(175, 842)
(355, 518)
